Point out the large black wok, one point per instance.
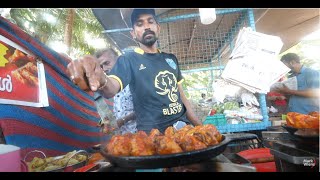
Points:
(177, 159)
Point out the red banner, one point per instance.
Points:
(22, 80)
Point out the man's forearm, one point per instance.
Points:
(193, 118)
(190, 114)
(110, 88)
(305, 93)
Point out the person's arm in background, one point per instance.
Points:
(312, 81)
(305, 93)
(190, 113)
(125, 119)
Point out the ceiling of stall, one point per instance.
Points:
(194, 43)
(291, 25)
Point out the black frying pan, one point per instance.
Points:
(177, 159)
(302, 133)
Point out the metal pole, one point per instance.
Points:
(219, 60)
(212, 77)
(262, 97)
(233, 30)
(181, 17)
(203, 69)
(251, 19)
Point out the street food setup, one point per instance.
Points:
(199, 48)
(63, 120)
(61, 134)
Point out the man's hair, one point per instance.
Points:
(137, 12)
(102, 51)
(287, 58)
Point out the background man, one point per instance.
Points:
(306, 98)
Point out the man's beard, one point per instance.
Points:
(148, 41)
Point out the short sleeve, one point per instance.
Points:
(121, 71)
(313, 79)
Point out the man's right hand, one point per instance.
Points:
(86, 73)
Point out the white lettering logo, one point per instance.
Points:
(166, 82)
(309, 162)
(6, 84)
(141, 67)
(174, 108)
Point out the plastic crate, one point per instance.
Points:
(217, 120)
(247, 126)
(220, 121)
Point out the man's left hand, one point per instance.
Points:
(283, 90)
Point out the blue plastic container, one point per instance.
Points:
(220, 121)
(217, 120)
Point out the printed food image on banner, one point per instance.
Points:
(22, 77)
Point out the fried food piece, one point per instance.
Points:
(154, 133)
(17, 75)
(31, 68)
(71, 158)
(187, 138)
(55, 163)
(166, 145)
(37, 162)
(198, 137)
(80, 157)
(141, 145)
(190, 143)
(17, 55)
(314, 114)
(185, 129)
(207, 134)
(169, 132)
(181, 133)
(290, 118)
(119, 145)
(51, 167)
(298, 120)
(31, 79)
(31, 58)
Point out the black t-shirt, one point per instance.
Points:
(153, 80)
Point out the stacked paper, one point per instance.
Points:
(253, 62)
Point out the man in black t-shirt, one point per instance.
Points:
(154, 78)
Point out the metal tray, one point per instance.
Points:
(65, 168)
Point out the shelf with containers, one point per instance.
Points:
(222, 34)
(220, 121)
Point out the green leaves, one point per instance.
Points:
(48, 25)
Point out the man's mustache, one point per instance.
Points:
(147, 33)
